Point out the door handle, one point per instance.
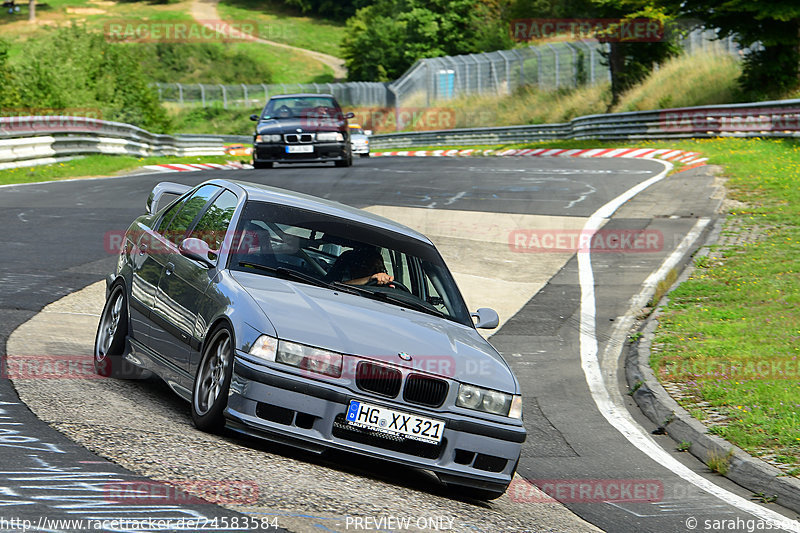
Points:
(170, 269)
(142, 249)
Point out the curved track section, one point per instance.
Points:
(484, 215)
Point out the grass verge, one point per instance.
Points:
(92, 166)
(730, 335)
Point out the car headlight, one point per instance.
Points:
(265, 347)
(298, 355)
(330, 136)
(489, 401)
(268, 138)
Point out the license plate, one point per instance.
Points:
(391, 422)
(301, 149)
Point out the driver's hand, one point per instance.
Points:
(382, 278)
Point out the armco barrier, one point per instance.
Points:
(27, 141)
(761, 119)
(36, 140)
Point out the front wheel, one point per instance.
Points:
(210, 391)
(109, 343)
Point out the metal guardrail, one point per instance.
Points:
(36, 140)
(761, 119)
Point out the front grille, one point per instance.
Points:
(425, 390)
(379, 379)
(293, 138)
(341, 430)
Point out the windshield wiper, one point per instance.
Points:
(380, 295)
(288, 273)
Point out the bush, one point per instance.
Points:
(69, 67)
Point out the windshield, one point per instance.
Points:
(301, 106)
(356, 130)
(272, 239)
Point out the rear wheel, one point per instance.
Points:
(109, 343)
(210, 391)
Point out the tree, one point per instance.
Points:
(384, 39)
(631, 61)
(770, 69)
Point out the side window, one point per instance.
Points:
(214, 223)
(168, 216)
(189, 209)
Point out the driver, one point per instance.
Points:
(359, 267)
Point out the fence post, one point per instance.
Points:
(244, 90)
(574, 63)
(202, 94)
(266, 92)
(224, 97)
(180, 93)
(539, 68)
(555, 59)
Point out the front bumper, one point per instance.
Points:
(307, 413)
(359, 149)
(276, 153)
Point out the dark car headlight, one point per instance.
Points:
(489, 401)
(268, 138)
(330, 136)
(298, 355)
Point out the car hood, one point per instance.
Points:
(358, 137)
(356, 325)
(291, 125)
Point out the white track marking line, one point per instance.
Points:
(619, 417)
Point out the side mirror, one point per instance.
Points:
(368, 133)
(486, 318)
(254, 118)
(350, 115)
(198, 250)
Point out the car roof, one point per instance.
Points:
(299, 95)
(265, 193)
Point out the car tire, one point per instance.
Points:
(364, 155)
(262, 164)
(346, 162)
(109, 342)
(213, 379)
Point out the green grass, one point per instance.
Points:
(94, 165)
(731, 333)
(233, 63)
(278, 23)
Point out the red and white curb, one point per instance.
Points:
(194, 167)
(680, 156)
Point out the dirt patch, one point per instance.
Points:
(86, 10)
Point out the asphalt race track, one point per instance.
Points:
(53, 245)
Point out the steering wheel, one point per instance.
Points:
(397, 285)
